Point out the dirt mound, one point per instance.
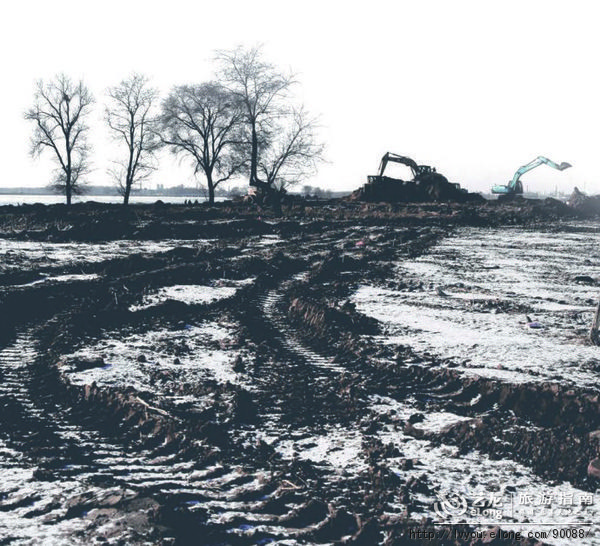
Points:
(432, 188)
(586, 204)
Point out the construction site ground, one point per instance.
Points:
(345, 373)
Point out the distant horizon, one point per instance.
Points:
(475, 89)
(174, 191)
(191, 192)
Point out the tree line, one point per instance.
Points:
(243, 123)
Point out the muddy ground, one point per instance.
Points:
(215, 376)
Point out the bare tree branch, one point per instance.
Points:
(294, 151)
(131, 117)
(262, 89)
(59, 111)
(202, 121)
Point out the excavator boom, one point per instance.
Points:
(395, 158)
(535, 163)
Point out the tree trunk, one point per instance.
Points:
(211, 189)
(127, 189)
(68, 173)
(254, 158)
(130, 173)
(68, 189)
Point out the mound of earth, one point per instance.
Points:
(431, 188)
(586, 204)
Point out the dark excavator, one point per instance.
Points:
(426, 185)
(423, 173)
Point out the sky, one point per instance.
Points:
(473, 88)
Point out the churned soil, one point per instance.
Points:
(200, 375)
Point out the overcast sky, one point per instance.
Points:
(474, 88)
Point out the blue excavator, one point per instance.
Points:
(515, 186)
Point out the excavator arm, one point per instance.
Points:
(515, 185)
(395, 158)
(533, 164)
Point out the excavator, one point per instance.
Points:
(420, 172)
(515, 186)
(426, 185)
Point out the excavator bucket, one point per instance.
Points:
(564, 165)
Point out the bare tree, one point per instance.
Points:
(294, 153)
(202, 122)
(260, 88)
(130, 117)
(59, 112)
